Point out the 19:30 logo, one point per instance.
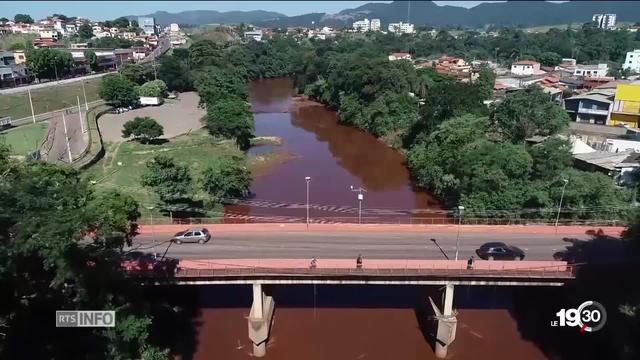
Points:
(590, 316)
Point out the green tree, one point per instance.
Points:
(92, 59)
(172, 182)
(121, 22)
(116, 90)
(231, 118)
(215, 84)
(205, 52)
(485, 82)
(153, 88)
(229, 178)
(85, 32)
(4, 19)
(144, 129)
(136, 73)
(69, 266)
(550, 158)
(49, 63)
(528, 112)
(549, 59)
(175, 74)
(23, 18)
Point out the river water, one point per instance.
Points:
(349, 322)
(334, 156)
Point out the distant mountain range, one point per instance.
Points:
(523, 13)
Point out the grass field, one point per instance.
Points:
(197, 150)
(24, 139)
(48, 99)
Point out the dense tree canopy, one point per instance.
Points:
(117, 90)
(231, 118)
(528, 112)
(172, 182)
(85, 32)
(60, 245)
(92, 59)
(23, 18)
(229, 178)
(49, 63)
(136, 73)
(153, 88)
(144, 129)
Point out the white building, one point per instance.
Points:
(49, 34)
(375, 25)
(174, 28)
(525, 67)
(402, 28)
(599, 70)
(70, 28)
(605, 21)
(632, 62)
(362, 25)
(255, 35)
(147, 24)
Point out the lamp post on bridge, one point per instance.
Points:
(442, 251)
(308, 180)
(360, 192)
(460, 211)
(153, 237)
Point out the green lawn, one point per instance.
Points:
(197, 150)
(48, 99)
(24, 139)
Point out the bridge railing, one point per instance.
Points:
(549, 272)
(407, 220)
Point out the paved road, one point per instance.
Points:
(391, 245)
(21, 89)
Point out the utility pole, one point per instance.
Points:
(66, 138)
(55, 68)
(33, 114)
(84, 93)
(80, 116)
(155, 73)
(360, 192)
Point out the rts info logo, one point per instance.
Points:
(590, 316)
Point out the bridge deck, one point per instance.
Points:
(378, 271)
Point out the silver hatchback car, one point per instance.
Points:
(199, 235)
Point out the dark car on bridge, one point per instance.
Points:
(144, 263)
(499, 251)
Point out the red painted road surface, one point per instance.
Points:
(287, 227)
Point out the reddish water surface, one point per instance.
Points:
(359, 323)
(334, 156)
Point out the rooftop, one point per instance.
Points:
(604, 159)
(526, 62)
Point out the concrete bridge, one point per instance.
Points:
(447, 273)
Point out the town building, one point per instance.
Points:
(526, 67)
(400, 56)
(174, 28)
(147, 24)
(253, 35)
(599, 70)
(626, 107)
(362, 25)
(632, 61)
(375, 25)
(605, 21)
(593, 107)
(401, 28)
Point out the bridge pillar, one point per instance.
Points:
(447, 323)
(260, 318)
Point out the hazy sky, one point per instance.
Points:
(104, 10)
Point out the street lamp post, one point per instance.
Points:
(442, 251)
(460, 211)
(560, 205)
(307, 179)
(153, 237)
(360, 192)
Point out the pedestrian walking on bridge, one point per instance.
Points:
(359, 261)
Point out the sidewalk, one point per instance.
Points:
(288, 227)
